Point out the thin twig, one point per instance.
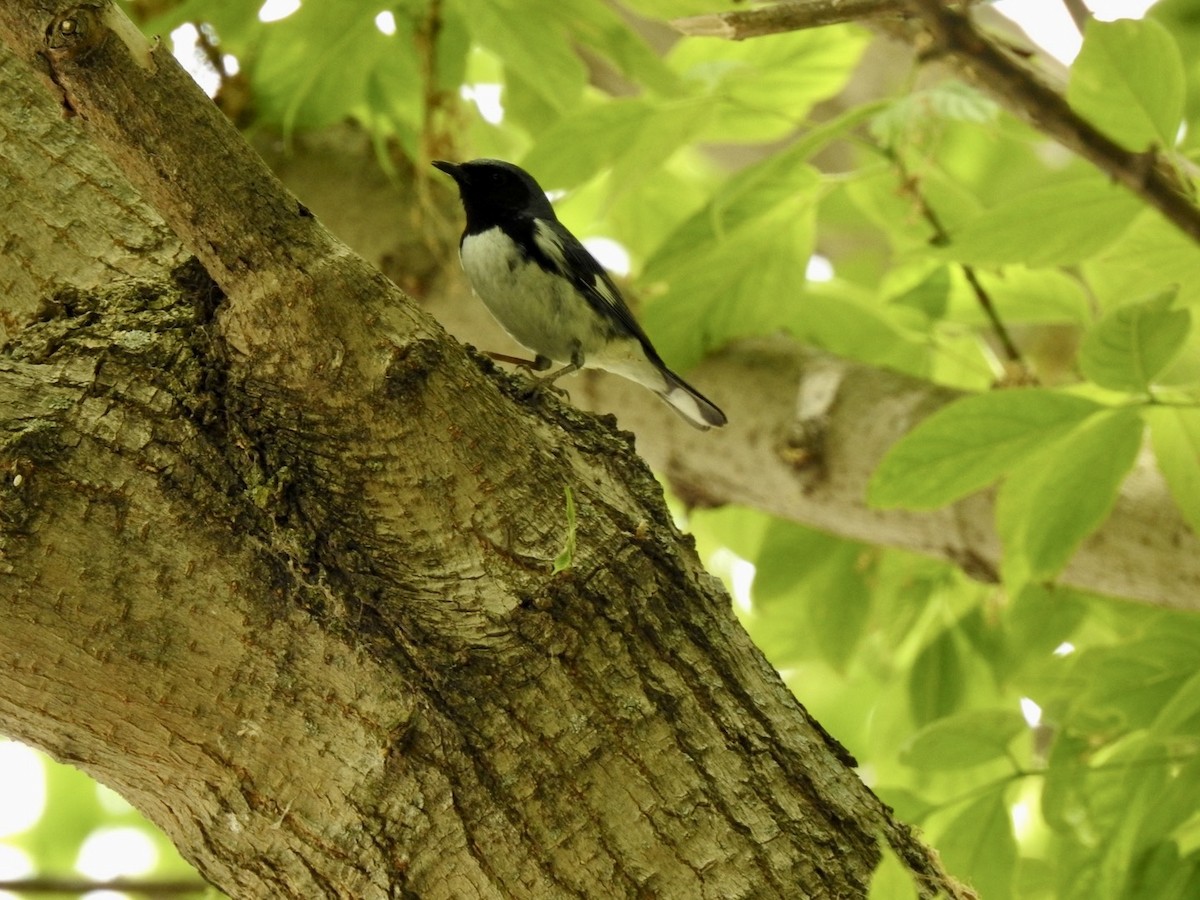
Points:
(1019, 89)
(1080, 14)
(791, 15)
(911, 186)
(153, 887)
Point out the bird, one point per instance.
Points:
(549, 293)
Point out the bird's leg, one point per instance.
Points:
(546, 382)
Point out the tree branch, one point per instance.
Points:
(1080, 14)
(806, 448)
(1145, 174)
(791, 15)
(950, 35)
(278, 568)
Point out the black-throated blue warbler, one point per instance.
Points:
(548, 292)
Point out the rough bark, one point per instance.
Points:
(277, 565)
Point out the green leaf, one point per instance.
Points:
(566, 559)
(950, 100)
(762, 89)
(968, 444)
(738, 528)
(1131, 345)
(635, 135)
(750, 235)
(1039, 619)
(1175, 434)
(600, 28)
(548, 65)
(1128, 80)
(1055, 499)
(1024, 295)
(935, 684)
(1181, 712)
(965, 740)
(836, 317)
(827, 599)
(314, 67)
(1153, 255)
(1059, 224)
(930, 296)
(891, 880)
(978, 845)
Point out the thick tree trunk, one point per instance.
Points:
(277, 565)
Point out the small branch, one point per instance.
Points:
(1020, 90)
(988, 66)
(793, 15)
(150, 887)
(911, 186)
(1080, 14)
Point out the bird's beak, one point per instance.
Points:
(452, 169)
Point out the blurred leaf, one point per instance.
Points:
(1040, 618)
(968, 444)
(1030, 295)
(1181, 714)
(947, 100)
(1125, 686)
(1059, 224)
(826, 598)
(636, 135)
(72, 813)
(1175, 433)
(931, 296)
(312, 68)
(675, 9)
(891, 879)
(1128, 80)
(235, 21)
(763, 89)
(1065, 781)
(1131, 345)
(935, 683)
(964, 740)
(1151, 256)
(547, 65)
(749, 240)
(600, 28)
(836, 318)
(978, 846)
(1051, 502)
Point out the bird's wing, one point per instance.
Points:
(558, 251)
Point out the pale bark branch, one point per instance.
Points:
(806, 448)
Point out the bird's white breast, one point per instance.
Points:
(540, 310)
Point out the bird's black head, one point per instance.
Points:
(493, 190)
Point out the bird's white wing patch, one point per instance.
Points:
(550, 244)
(604, 291)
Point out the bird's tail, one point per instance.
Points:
(690, 403)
